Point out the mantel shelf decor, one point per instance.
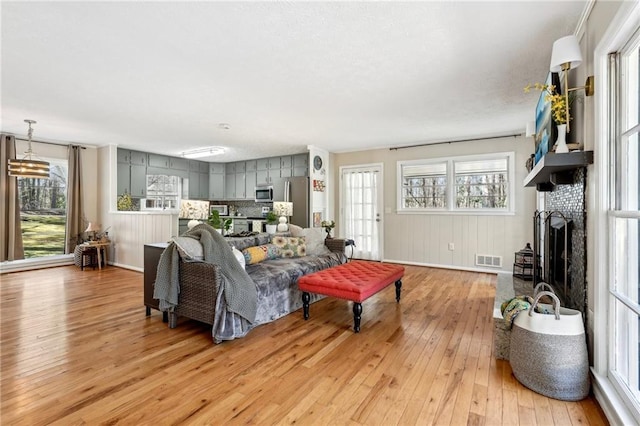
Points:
(553, 169)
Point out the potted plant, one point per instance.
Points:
(218, 223)
(272, 222)
(328, 225)
(559, 110)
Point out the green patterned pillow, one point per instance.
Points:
(257, 254)
(290, 246)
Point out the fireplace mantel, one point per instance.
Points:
(554, 169)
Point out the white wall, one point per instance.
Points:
(423, 238)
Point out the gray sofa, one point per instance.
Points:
(275, 280)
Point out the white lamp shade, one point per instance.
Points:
(92, 227)
(283, 208)
(531, 128)
(565, 49)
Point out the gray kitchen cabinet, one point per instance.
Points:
(194, 185)
(156, 160)
(230, 186)
(240, 225)
(286, 172)
(198, 185)
(216, 168)
(124, 178)
(301, 165)
(240, 187)
(176, 163)
(285, 162)
(203, 167)
(251, 166)
(216, 186)
(138, 158)
(123, 155)
(230, 168)
(203, 192)
(262, 164)
(250, 185)
(138, 181)
(194, 166)
(240, 167)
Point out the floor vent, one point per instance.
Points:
(489, 260)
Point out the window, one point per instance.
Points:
(479, 183)
(163, 191)
(624, 229)
(43, 211)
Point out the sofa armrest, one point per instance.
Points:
(335, 244)
(199, 284)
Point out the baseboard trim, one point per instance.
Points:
(36, 263)
(457, 268)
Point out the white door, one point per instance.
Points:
(361, 209)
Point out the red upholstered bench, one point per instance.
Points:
(355, 281)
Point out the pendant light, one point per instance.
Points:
(28, 168)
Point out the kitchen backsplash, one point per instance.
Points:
(194, 209)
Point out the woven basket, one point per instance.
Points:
(548, 353)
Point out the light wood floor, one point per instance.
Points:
(78, 349)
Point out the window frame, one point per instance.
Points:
(450, 207)
(620, 304)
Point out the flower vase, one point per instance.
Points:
(561, 143)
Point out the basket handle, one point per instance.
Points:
(556, 303)
(540, 286)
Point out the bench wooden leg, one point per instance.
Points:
(398, 290)
(357, 315)
(305, 304)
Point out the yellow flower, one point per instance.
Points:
(558, 102)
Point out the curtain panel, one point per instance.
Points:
(11, 247)
(75, 224)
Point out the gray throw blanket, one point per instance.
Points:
(238, 288)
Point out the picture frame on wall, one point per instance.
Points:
(546, 131)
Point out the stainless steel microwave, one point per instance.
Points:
(264, 194)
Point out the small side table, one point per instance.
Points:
(100, 249)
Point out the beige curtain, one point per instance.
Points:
(75, 217)
(10, 231)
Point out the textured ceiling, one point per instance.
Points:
(162, 76)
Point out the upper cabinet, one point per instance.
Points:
(208, 181)
(132, 169)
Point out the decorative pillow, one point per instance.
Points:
(189, 248)
(240, 256)
(257, 254)
(296, 231)
(290, 246)
(314, 238)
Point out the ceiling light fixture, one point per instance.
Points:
(203, 152)
(565, 56)
(27, 167)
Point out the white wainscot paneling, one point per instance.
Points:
(424, 239)
(131, 231)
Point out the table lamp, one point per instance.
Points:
(283, 209)
(92, 228)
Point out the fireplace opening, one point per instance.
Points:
(552, 247)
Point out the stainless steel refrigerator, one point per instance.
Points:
(295, 190)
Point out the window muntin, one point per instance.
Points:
(481, 183)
